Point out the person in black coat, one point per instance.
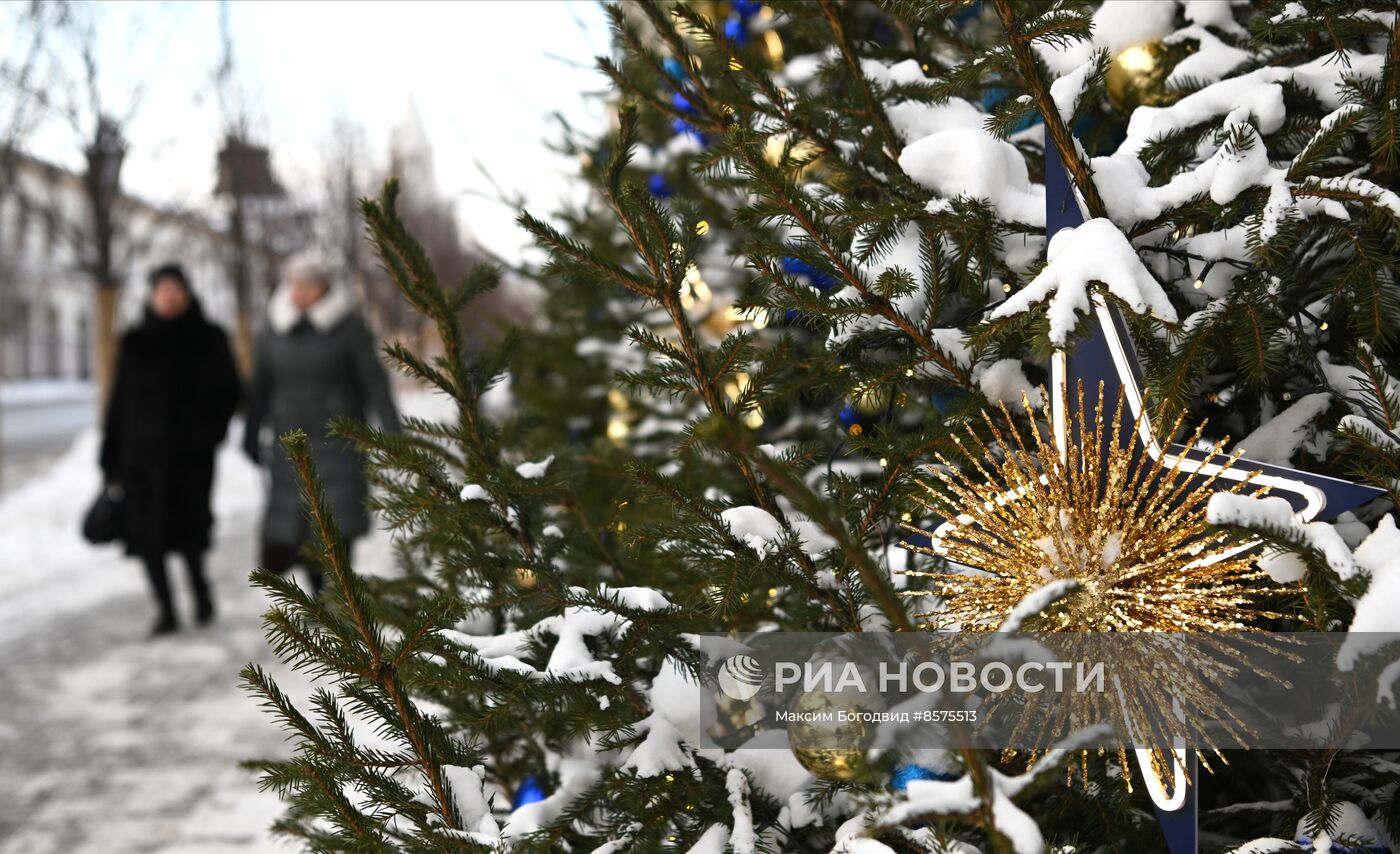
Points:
(175, 390)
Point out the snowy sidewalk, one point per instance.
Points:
(109, 742)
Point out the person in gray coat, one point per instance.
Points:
(314, 361)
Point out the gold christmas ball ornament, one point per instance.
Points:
(526, 578)
(1137, 77)
(828, 736)
(872, 401)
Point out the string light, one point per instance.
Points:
(618, 429)
(702, 227)
(1201, 279)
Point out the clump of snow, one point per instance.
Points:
(1065, 91)
(1210, 62)
(914, 120)
(1275, 515)
(1282, 567)
(971, 162)
(1212, 13)
(814, 540)
(1267, 845)
(1350, 383)
(534, 471)
(673, 695)
(469, 795)
(712, 841)
(753, 526)
(498, 401)
(571, 657)
(742, 839)
(1350, 824)
(660, 751)
(761, 531)
(1376, 614)
(1095, 251)
(1036, 601)
(1278, 439)
(1121, 24)
(475, 492)
(1004, 381)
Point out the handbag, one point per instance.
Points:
(103, 522)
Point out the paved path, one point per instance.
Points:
(113, 743)
(35, 429)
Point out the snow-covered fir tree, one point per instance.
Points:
(816, 251)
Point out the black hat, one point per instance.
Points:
(170, 271)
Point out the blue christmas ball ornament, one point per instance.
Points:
(966, 13)
(736, 31)
(658, 187)
(904, 774)
(746, 8)
(529, 791)
(685, 128)
(944, 401)
(818, 279)
(673, 69)
(682, 103)
(853, 420)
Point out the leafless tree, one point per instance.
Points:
(264, 224)
(23, 53)
(97, 123)
(345, 180)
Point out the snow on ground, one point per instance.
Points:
(113, 743)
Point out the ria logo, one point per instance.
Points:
(740, 677)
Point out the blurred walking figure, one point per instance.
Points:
(175, 390)
(315, 360)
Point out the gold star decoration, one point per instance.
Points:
(1127, 531)
(1130, 530)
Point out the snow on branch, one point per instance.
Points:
(1274, 516)
(1094, 252)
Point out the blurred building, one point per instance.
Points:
(47, 297)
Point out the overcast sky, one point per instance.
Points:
(485, 77)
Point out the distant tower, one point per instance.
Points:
(410, 153)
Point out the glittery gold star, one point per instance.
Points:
(1125, 528)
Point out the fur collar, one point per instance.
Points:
(328, 311)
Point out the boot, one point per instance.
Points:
(199, 585)
(165, 624)
(160, 591)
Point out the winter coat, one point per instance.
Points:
(309, 369)
(175, 390)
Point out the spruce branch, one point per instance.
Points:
(381, 670)
(873, 109)
(1020, 43)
